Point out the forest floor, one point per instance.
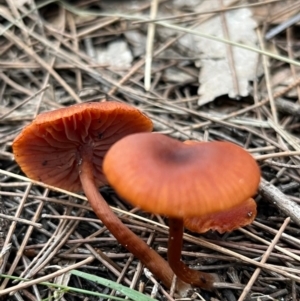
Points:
(223, 70)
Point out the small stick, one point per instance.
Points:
(271, 162)
(20, 220)
(80, 218)
(45, 278)
(230, 53)
(149, 275)
(280, 200)
(24, 102)
(282, 26)
(265, 60)
(149, 48)
(277, 155)
(278, 248)
(263, 260)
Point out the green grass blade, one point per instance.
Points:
(133, 294)
(67, 289)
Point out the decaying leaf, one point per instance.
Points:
(116, 54)
(216, 77)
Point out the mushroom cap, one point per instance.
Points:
(223, 221)
(49, 149)
(162, 175)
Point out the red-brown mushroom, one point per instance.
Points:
(222, 221)
(165, 176)
(65, 148)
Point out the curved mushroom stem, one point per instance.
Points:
(152, 260)
(183, 272)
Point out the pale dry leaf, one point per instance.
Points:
(115, 54)
(215, 76)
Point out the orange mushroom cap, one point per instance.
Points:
(48, 149)
(223, 221)
(162, 175)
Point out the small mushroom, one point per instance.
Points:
(168, 177)
(222, 221)
(52, 147)
(65, 148)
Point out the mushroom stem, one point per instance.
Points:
(183, 272)
(152, 260)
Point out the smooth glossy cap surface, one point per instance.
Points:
(49, 149)
(162, 175)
